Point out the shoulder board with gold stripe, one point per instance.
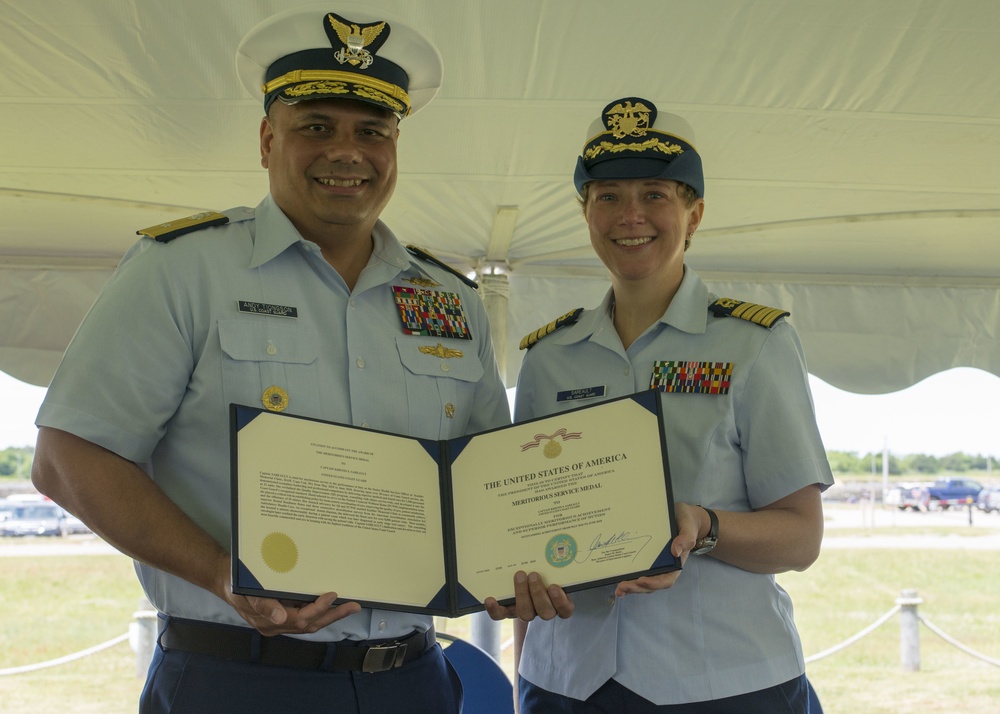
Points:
(424, 255)
(166, 232)
(757, 314)
(568, 319)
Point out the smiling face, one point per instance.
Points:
(331, 166)
(638, 227)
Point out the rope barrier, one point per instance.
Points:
(812, 658)
(885, 618)
(851, 640)
(63, 660)
(955, 643)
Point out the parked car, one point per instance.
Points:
(947, 492)
(6, 509)
(43, 519)
(989, 499)
(908, 495)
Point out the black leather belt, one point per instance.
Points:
(242, 644)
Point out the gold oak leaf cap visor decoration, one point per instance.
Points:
(632, 140)
(349, 52)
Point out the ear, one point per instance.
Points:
(696, 213)
(266, 136)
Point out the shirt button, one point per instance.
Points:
(445, 367)
(381, 626)
(611, 600)
(627, 371)
(364, 425)
(360, 362)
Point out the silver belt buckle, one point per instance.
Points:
(382, 658)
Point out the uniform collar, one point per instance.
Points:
(688, 311)
(388, 259)
(388, 249)
(274, 233)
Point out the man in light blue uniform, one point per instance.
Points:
(742, 442)
(306, 304)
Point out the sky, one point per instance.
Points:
(957, 410)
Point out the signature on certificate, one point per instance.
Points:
(615, 546)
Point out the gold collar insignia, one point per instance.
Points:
(422, 282)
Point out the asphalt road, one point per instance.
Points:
(878, 526)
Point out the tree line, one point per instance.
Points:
(844, 462)
(16, 462)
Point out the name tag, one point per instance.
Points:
(263, 308)
(571, 395)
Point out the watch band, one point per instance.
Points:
(706, 544)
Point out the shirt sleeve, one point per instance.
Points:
(782, 448)
(126, 369)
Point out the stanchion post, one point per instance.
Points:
(909, 633)
(142, 633)
(485, 633)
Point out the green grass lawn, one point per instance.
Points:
(846, 590)
(55, 606)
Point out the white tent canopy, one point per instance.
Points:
(851, 148)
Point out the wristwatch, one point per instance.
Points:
(704, 545)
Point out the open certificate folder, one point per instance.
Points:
(582, 497)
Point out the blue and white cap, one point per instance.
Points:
(633, 140)
(354, 52)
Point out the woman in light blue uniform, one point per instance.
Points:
(717, 636)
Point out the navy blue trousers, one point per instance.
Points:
(792, 697)
(182, 682)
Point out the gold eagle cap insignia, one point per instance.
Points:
(352, 35)
(355, 39)
(628, 120)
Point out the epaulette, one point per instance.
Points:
(757, 314)
(424, 255)
(568, 319)
(166, 232)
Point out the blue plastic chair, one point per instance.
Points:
(488, 690)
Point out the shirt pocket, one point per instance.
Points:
(260, 354)
(440, 385)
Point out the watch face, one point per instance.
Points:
(704, 545)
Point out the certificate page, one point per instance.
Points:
(324, 507)
(581, 497)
